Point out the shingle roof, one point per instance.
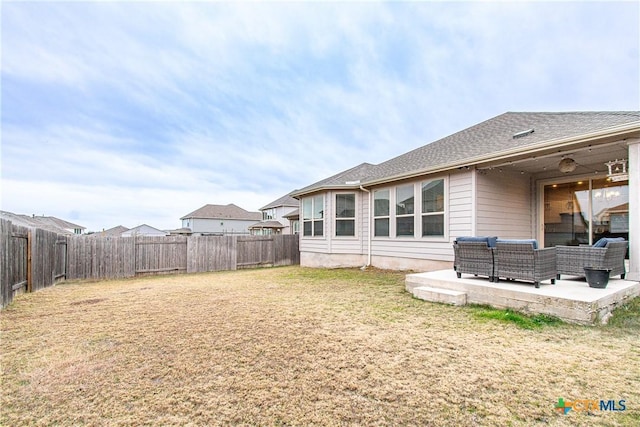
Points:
(495, 136)
(286, 200)
(112, 232)
(229, 211)
(292, 214)
(267, 224)
(492, 138)
(49, 223)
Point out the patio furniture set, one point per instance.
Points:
(523, 260)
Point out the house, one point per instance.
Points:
(111, 232)
(143, 230)
(277, 218)
(547, 176)
(49, 223)
(220, 220)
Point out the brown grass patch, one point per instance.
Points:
(295, 346)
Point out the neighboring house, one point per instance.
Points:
(111, 232)
(547, 176)
(181, 232)
(143, 230)
(220, 220)
(294, 220)
(276, 218)
(49, 223)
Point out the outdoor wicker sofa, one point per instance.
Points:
(605, 254)
(474, 255)
(522, 260)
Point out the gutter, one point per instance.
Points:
(369, 229)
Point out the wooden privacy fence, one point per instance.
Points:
(33, 259)
(30, 259)
(121, 257)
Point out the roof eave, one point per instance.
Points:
(221, 218)
(504, 155)
(325, 188)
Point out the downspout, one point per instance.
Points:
(368, 230)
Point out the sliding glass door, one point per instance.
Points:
(581, 212)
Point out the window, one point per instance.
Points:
(433, 208)
(404, 210)
(312, 216)
(381, 213)
(568, 219)
(345, 214)
(268, 214)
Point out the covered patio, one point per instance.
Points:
(570, 299)
(578, 193)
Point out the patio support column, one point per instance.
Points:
(634, 209)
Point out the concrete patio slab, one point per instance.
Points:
(570, 299)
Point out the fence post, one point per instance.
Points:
(29, 263)
(5, 276)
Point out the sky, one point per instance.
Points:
(129, 113)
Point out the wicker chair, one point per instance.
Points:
(573, 259)
(474, 255)
(520, 260)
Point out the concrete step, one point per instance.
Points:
(441, 295)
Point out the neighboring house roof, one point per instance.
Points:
(144, 229)
(229, 211)
(49, 223)
(267, 224)
(293, 214)
(282, 201)
(112, 232)
(115, 231)
(492, 139)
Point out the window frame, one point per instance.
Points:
(386, 217)
(352, 219)
(411, 215)
(313, 220)
(442, 212)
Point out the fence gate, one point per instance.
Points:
(160, 254)
(255, 251)
(60, 254)
(15, 259)
(20, 259)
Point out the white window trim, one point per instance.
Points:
(356, 220)
(391, 191)
(417, 215)
(312, 220)
(444, 213)
(394, 216)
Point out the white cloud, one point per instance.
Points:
(147, 111)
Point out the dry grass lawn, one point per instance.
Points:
(296, 346)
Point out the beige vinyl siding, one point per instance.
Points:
(504, 205)
(460, 204)
(315, 244)
(415, 249)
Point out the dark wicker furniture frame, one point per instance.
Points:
(473, 258)
(573, 259)
(520, 261)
